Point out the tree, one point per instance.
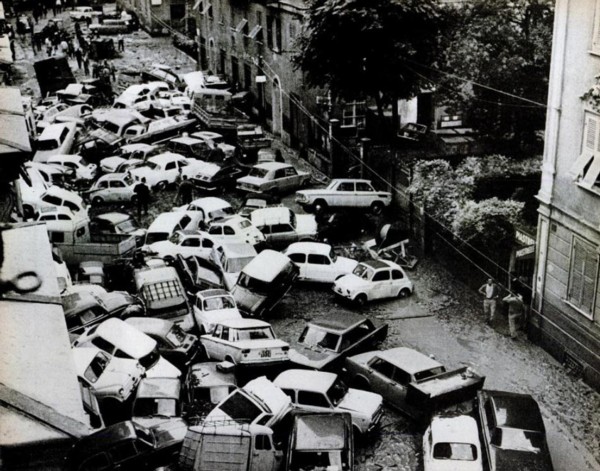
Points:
(360, 48)
(505, 45)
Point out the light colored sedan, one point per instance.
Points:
(318, 262)
(274, 178)
(112, 188)
(452, 443)
(212, 306)
(235, 229)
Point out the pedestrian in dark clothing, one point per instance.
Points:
(86, 65)
(185, 191)
(113, 71)
(143, 196)
(121, 43)
(78, 57)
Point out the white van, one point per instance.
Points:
(121, 340)
(165, 225)
(55, 139)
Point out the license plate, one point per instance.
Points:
(265, 353)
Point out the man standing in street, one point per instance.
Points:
(515, 311)
(143, 196)
(491, 293)
(121, 43)
(185, 191)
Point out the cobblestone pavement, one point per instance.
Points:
(442, 318)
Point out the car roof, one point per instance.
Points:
(166, 157)
(151, 325)
(63, 194)
(209, 203)
(273, 165)
(243, 323)
(305, 380)
(271, 215)
(238, 249)
(155, 275)
(408, 359)
(113, 217)
(186, 140)
(65, 157)
(322, 431)
(159, 388)
(378, 264)
(113, 176)
(228, 219)
(355, 180)
(53, 130)
(514, 410)
(125, 337)
(339, 322)
(138, 146)
(166, 219)
(208, 375)
(83, 356)
(459, 429)
(266, 265)
(207, 134)
(209, 293)
(309, 247)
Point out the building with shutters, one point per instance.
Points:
(565, 314)
(158, 16)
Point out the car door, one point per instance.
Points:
(380, 284)
(291, 179)
(283, 235)
(191, 246)
(313, 401)
(300, 260)
(365, 194)
(399, 282)
(117, 191)
(388, 380)
(344, 195)
(213, 343)
(319, 267)
(171, 172)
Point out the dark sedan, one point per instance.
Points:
(214, 178)
(325, 343)
(514, 436)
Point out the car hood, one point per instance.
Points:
(252, 180)
(363, 402)
(111, 162)
(163, 369)
(311, 357)
(306, 224)
(521, 460)
(214, 317)
(346, 264)
(351, 282)
(160, 247)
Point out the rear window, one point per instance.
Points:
(455, 451)
(240, 408)
(152, 237)
(163, 290)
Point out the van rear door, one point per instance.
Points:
(223, 453)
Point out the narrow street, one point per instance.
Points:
(443, 318)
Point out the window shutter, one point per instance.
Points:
(591, 133)
(582, 279)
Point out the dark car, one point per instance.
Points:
(321, 441)
(83, 309)
(325, 343)
(174, 344)
(214, 178)
(95, 149)
(514, 436)
(128, 446)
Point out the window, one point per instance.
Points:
(397, 275)
(48, 217)
(215, 230)
(117, 184)
(364, 186)
(383, 367)
(80, 232)
(103, 184)
(207, 243)
(586, 168)
(171, 166)
(57, 237)
(382, 275)
(71, 206)
(281, 228)
(353, 114)
(270, 22)
(319, 259)
(297, 257)
(52, 200)
(346, 186)
(103, 344)
(262, 442)
(191, 242)
(225, 333)
(310, 398)
(256, 33)
(279, 173)
(583, 274)
(242, 26)
(228, 230)
(290, 172)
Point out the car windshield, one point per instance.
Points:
(177, 238)
(256, 333)
(240, 408)
(156, 237)
(148, 361)
(515, 439)
(244, 224)
(258, 172)
(151, 165)
(148, 406)
(110, 127)
(313, 336)
(47, 144)
(255, 203)
(236, 265)
(253, 284)
(337, 391)
(455, 451)
(363, 271)
(176, 336)
(96, 367)
(218, 303)
(126, 226)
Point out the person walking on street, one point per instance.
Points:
(121, 43)
(515, 312)
(58, 7)
(491, 293)
(185, 191)
(78, 57)
(143, 197)
(86, 65)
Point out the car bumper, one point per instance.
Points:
(376, 420)
(342, 294)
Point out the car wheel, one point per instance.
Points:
(320, 206)
(134, 199)
(97, 201)
(377, 207)
(404, 293)
(361, 300)
(160, 186)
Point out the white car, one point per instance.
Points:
(235, 229)
(82, 13)
(245, 342)
(130, 156)
(53, 197)
(76, 164)
(112, 188)
(274, 178)
(163, 170)
(203, 211)
(212, 306)
(108, 377)
(118, 164)
(282, 226)
(452, 443)
(318, 262)
(213, 140)
(345, 193)
(320, 391)
(373, 279)
(184, 243)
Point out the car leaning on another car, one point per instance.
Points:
(112, 188)
(164, 169)
(318, 262)
(75, 165)
(245, 342)
(452, 443)
(274, 178)
(514, 435)
(203, 211)
(212, 306)
(282, 226)
(118, 223)
(373, 279)
(235, 229)
(185, 243)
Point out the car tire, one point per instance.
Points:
(361, 300)
(97, 201)
(319, 206)
(160, 186)
(377, 207)
(404, 293)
